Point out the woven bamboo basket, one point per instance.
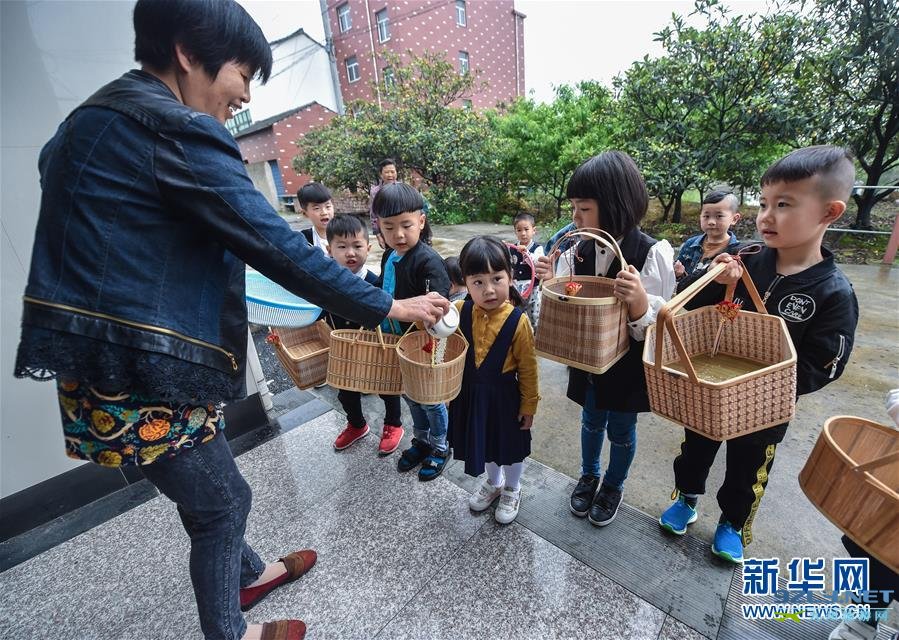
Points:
(586, 331)
(303, 352)
(364, 361)
(424, 380)
(852, 477)
(749, 385)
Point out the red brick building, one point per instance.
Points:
(269, 147)
(475, 34)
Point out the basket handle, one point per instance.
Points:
(666, 313)
(877, 462)
(598, 235)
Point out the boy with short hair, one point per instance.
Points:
(348, 244)
(802, 194)
(315, 203)
(720, 210)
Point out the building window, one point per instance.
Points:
(463, 62)
(388, 78)
(460, 13)
(239, 122)
(383, 25)
(352, 68)
(467, 104)
(343, 17)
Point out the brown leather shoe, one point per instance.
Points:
(297, 563)
(284, 630)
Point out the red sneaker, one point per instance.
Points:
(349, 435)
(390, 439)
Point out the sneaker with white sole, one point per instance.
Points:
(507, 509)
(484, 496)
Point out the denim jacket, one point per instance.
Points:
(690, 254)
(137, 273)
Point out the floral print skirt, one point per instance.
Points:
(115, 429)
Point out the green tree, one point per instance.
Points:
(452, 148)
(544, 143)
(703, 111)
(857, 71)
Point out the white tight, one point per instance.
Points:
(512, 473)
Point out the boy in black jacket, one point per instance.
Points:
(315, 203)
(802, 194)
(348, 244)
(409, 268)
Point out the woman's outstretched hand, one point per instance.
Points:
(428, 309)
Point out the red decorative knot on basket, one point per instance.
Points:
(272, 338)
(728, 309)
(430, 346)
(573, 288)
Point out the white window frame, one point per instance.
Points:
(352, 65)
(464, 63)
(343, 11)
(461, 13)
(383, 21)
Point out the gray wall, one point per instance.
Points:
(53, 56)
(261, 175)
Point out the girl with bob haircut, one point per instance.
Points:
(607, 192)
(491, 418)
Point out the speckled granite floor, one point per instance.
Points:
(397, 559)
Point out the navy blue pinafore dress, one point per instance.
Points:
(483, 419)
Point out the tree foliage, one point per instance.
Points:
(544, 143)
(454, 149)
(705, 110)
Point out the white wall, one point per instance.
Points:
(301, 74)
(53, 55)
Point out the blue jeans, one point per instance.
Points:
(213, 501)
(429, 423)
(622, 428)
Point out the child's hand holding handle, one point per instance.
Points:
(629, 289)
(734, 270)
(544, 265)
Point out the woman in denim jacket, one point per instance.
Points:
(135, 296)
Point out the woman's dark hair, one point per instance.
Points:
(214, 31)
(313, 192)
(386, 162)
(453, 271)
(394, 199)
(345, 226)
(486, 254)
(614, 181)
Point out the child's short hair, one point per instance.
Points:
(614, 181)
(346, 226)
(314, 193)
(714, 197)
(453, 271)
(394, 199)
(833, 165)
(486, 254)
(527, 217)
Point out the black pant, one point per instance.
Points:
(351, 401)
(880, 577)
(749, 460)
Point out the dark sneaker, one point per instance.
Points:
(414, 455)
(432, 466)
(605, 506)
(582, 496)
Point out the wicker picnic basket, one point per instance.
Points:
(720, 378)
(364, 361)
(425, 380)
(303, 352)
(852, 477)
(588, 330)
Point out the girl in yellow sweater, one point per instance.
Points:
(490, 420)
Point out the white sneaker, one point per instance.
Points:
(507, 509)
(484, 496)
(852, 630)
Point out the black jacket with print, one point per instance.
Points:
(818, 305)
